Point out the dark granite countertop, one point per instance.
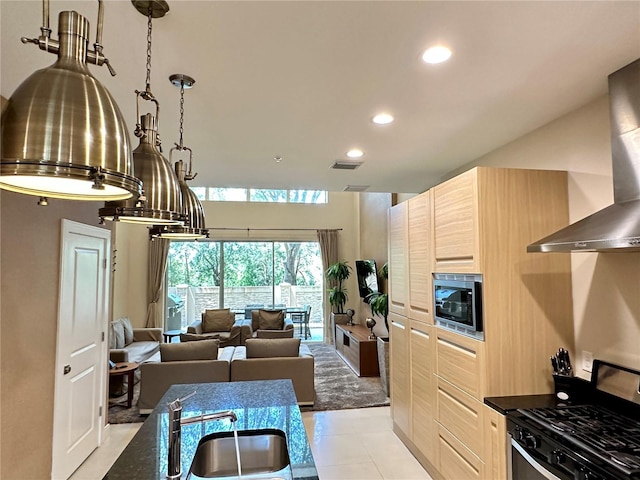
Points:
(578, 392)
(506, 404)
(257, 404)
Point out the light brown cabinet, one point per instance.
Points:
(455, 224)
(410, 258)
(422, 369)
(480, 222)
(399, 371)
(419, 260)
(398, 260)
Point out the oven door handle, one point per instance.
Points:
(533, 462)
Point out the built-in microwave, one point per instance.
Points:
(458, 303)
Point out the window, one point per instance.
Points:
(239, 275)
(219, 194)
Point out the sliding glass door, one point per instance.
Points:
(244, 275)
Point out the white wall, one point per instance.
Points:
(606, 286)
(29, 277)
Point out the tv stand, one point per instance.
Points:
(357, 350)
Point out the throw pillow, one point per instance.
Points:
(128, 330)
(175, 352)
(190, 337)
(270, 319)
(272, 347)
(117, 332)
(220, 320)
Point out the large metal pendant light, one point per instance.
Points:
(194, 225)
(63, 136)
(161, 202)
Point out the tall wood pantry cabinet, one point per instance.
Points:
(477, 222)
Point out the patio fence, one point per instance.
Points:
(198, 299)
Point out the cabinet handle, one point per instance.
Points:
(396, 324)
(420, 333)
(451, 344)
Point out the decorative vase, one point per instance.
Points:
(383, 362)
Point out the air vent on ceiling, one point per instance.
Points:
(356, 188)
(345, 165)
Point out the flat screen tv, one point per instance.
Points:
(367, 274)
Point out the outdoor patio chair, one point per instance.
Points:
(302, 319)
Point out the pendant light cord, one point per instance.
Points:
(181, 146)
(147, 94)
(149, 31)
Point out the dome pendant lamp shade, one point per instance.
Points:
(194, 225)
(161, 201)
(63, 135)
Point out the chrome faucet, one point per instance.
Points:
(176, 421)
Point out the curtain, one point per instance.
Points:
(158, 252)
(328, 240)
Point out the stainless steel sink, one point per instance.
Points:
(263, 454)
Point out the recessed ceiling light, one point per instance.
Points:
(355, 153)
(436, 54)
(382, 119)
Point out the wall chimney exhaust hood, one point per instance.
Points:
(616, 228)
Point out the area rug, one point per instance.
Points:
(337, 388)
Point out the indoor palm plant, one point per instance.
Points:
(336, 274)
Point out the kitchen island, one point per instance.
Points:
(257, 404)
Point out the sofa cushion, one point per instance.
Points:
(117, 333)
(219, 320)
(272, 347)
(128, 330)
(138, 352)
(202, 350)
(267, 319)
(274, 333)
(191, 337)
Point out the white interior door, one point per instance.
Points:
(80, 378)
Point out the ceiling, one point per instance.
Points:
(302, 79)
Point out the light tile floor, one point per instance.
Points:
(347, 445)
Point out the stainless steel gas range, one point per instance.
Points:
(594, 435)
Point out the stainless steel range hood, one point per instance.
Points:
(616, 227)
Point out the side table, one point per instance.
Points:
(128, 369)
(169, 334)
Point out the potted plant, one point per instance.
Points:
(336, 274)
(379, 304)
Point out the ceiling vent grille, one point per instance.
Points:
(356, 188)
(345, 165)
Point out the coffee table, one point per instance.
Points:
(125, 368)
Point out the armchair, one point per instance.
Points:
(218, 324)
(271, 324)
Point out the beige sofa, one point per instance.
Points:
(190, 362)
(273, 359)
(195, 362)
(128, 344)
